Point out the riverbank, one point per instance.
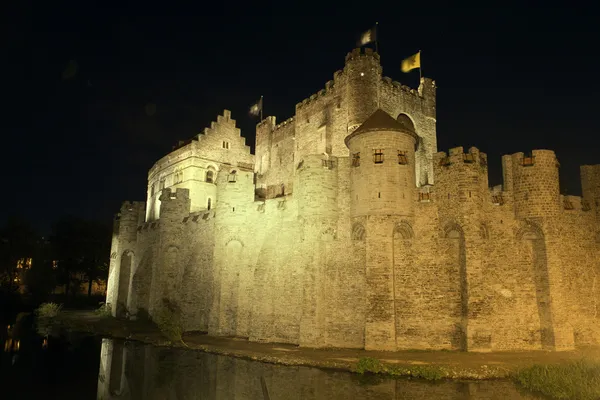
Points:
(424, 364)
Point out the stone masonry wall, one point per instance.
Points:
(327, 261)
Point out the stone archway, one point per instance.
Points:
(124, 282)
(457, 262)
(138, 300)
(534, 257)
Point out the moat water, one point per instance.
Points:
(76, 366)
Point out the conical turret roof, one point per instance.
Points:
(380, 121)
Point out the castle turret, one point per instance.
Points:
(235, 188)
(382, 152)
(461, 182)
(535, 184)
(174, 205)
(264, 136)
(363, 75)
(122, 251)
(317, 187)
(590, 187)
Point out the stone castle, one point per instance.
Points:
(348, 228)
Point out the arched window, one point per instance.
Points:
(406, 122)
(208, 203)
(232, 176)
(210, 175)
(358, 231)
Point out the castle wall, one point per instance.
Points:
(376, 257)
(322, 121)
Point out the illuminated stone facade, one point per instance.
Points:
(349, 229)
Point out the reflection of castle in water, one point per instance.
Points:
(135, 371)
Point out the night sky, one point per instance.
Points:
(93, 95)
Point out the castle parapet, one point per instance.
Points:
(590, 187)
(174, 205)
(461, 176)
(130, 216)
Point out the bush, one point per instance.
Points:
(48, 310)
(578, 380)
(105, 310)
(368, 364)
(373, 365)
(169, 321)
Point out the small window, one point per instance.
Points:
(356, 159)
(378, 156)
(161, 184)
(424, 196)
(402, 159)
(208, 203)
(225, 144)
(152, 190)
(209, 176)
(232, 177)
(568, 205)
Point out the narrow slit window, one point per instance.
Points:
(356, 159)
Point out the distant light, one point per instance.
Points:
(362, 74)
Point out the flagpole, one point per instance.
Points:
(262, 105)
(376, 36)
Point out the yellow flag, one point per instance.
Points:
(411, 62)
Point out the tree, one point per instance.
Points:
(81, 248)
(18, 240)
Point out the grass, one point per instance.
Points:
(47, 314)
(374, 366)
(578, 380)
(48, 310)
(105, 310)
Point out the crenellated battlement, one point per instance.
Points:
(575, 203)
(179, 194)
(329, 87)
(284, 124)
(132, 207)
(395, 86)
(457, 157)
(362, 53)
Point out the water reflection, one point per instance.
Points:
(135, 371)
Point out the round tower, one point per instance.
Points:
(235, 188)
(363, 74)
(317, 186)
(535, 184)
(382, 159)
